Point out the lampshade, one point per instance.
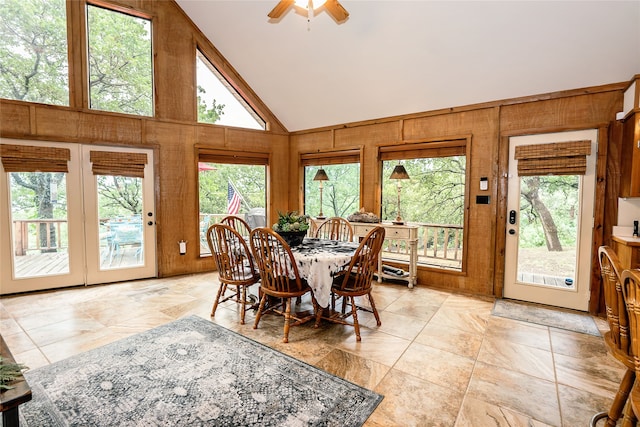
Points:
(321, 175)
(399, 172)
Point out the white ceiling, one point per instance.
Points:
(399, 57)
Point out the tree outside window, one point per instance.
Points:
(340, 194)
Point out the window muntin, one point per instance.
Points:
(120, 62)
(218, 183)
(434, 199)
(218, 102)
(33, 51)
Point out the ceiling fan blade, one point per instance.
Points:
(336, 10)
(280, 8)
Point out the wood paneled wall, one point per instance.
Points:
(174, 132)
(488, 126)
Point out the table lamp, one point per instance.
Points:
(399, 173)
(321, 176)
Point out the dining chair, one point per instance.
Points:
(356, 281)
(280, 278)
(335, 228)
(236, 267)
(630, 280)
(617, 338)
(238, 224)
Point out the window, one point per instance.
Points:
(434, 198)
(219, 102)
(341, 192)
(120, 65)
(33, 51)
(231, 185)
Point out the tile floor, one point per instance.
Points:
(440, 359)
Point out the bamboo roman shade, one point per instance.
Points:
(560, 158)
(210, 155)
(330, 158)
(456, 147)
(27, 158)
(118, 163)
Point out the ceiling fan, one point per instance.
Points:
(333, 7)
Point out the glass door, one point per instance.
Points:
(549, 228)
(66, 222)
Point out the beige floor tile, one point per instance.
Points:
(478, 413)
(578, 406)
(529, 334)
(463, 343)
(533, 397)
(467, 321)
(575, 344)
(599, 374)
(364, 372)
(517, 357)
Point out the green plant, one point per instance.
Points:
(291, 221)
(9, 372)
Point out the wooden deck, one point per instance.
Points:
(543, 279)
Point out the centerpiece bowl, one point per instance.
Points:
(292, 227)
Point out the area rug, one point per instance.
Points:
(540, 315)
(191, 372)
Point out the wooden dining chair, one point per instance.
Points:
(280, 278)
(335, 228)
(617, 338)
(238, 224)
(356, 281)
(235, 265)
(630, 280)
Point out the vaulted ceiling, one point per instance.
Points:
(399, 57)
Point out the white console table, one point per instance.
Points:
(408, 233)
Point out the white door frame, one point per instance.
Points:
(576, 298)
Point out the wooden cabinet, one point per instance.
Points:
(630, 161)
(628, 250)
(394, 233)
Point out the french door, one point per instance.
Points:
(73, 214)
(550, 222)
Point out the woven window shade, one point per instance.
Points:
(118, 164)
(456, 147)
(27, 158)
(210, 155)
(330, 158)
(560, 158)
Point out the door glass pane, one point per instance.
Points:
(120, 221)
(39, 221)
(548, 232)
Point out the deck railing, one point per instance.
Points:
(39, 234)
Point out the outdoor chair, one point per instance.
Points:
(280, 278)
(356, 281)
(235, 267)
(238, 224)
(617, 338)
(335, 228)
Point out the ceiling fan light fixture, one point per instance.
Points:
(332, 7)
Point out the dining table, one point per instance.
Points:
(318, 261)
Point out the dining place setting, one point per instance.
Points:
(289, 261)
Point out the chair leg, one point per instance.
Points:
(259, 313)
(375, 311)
(287, 319)
(243, 302)
(629, 418)
(221, 290)
(354, 313)
(615, 411)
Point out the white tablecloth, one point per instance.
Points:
(318, 261)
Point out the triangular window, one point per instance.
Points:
(219, 102)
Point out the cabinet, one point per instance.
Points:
(630, 150)
(630, 160)
(406, 233)
(628, 251)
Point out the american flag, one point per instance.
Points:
(233, 200)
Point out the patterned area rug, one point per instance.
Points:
(191, 372)
(556, 318)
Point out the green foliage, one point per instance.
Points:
(248, 180)
(291, 221)
(340, 195)
(9, 372)
(119, 196)
(120, 69)
(206, 114)
(433, 194)
(33, 51)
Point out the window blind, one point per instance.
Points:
(559, 158)
(118, 163)
(27, 158)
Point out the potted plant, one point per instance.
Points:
(292, 227)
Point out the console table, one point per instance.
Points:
(407, 233)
